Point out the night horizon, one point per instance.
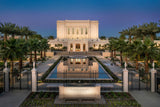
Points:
(113, 16)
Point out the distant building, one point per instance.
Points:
(77, 35)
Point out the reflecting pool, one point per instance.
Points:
(78, 68)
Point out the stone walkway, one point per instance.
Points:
(13, 98)
(146, 98)
(42, 68)
(115, 69)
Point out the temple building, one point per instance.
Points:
(77, 35)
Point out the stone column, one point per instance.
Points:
(74, 47)
(153, 72)
(68, 48)
(6, 78)
(86, 49)
(125, 79)
(34, 78)
(81, 47)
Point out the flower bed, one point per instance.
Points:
(113, 99)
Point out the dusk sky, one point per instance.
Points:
(113, 15)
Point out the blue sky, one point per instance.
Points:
(113, 15)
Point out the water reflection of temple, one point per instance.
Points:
(78, 68)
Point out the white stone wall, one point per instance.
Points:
(71, 29)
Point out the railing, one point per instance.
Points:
(20, 80)
(139, 81)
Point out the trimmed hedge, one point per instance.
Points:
(116, 79)
(50, 69)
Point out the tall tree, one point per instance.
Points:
(23, 46)
(150, 51)
(102, 37)
(110, 47)
(121, 44)
(152, 29)
(135, 51)
(5, 28)
(10, 51)
(51, 37)
(36, 47)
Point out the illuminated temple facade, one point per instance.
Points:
(77, 35)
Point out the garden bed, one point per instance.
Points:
(113, 99)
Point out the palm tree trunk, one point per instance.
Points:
(11, 73)
(31, 57)
(152, 37)
(114, 53)
(13, 36)
(20, 63)
(129, 38)
(137, 63)
(21, 36)
(111, 53)
(35, 56)
(44, 53)
(5, 37)
(146, 66)
(41, 55)
(121, 59)
(12, 65)
(25, 37)
(143, 37)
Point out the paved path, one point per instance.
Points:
(114, 68)
(42, 68)
(13, 98)
(146, 98)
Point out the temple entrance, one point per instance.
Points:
(71, 47)
(78, 47)
(84, 47)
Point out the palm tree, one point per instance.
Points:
(115, 47)
(127, 32)
(110, 47)
(152, 29)
(102, 37)
(13, 30)
(30, 46)
(10, 51)
(5, 28)
(45, 46)
(135, 50)
(24, 31)
(150, 51)
(121, 44)
(143, 29)
(23, 46)
(36, 47)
